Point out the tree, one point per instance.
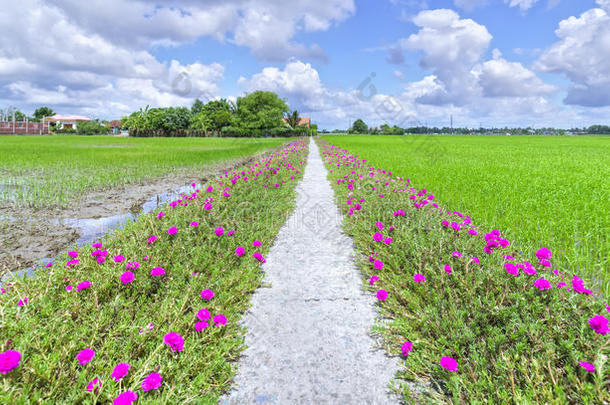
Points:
(259, 113)
(42, 112)
(213, 116)
(197, 107)
(359, 127)
(293, 119)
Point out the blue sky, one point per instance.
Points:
(491, 62)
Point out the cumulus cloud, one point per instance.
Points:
(581, 55)
(522, 4)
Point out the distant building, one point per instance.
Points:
(304, 122)
(66, 121)
(115, 126)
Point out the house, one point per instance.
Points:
(115, 126)
(66, 121)
(304, 122)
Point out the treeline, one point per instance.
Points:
(258, 114)
(360, 127)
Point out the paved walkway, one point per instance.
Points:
(308, 333)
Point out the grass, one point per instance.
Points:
(513, 342)
(112, 318)
(539, 191)
(54, 171)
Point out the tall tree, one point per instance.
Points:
(259, 112)
(359, 127)
(197, 106)
(293, 119)
(42, 112)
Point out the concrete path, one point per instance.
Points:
(308, 333)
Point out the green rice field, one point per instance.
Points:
(52, 171)
(540, 191)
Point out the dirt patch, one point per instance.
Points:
(27, 235)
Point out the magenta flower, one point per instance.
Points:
(258, 257)
(9, 360)
(256, 243)
(83, 285)
(231, 232)
(377, 237)
(449, 363)
(203, 314)
(23, 302)
(378, 264)
(157, 271)
(69, 288)
(172, 230)
(120, 371)
(126, 398)
(456, 254)
(207, 294)
(542, 284)
(174, 341)
(127, 277)
(587, 366)
(152, 382)
(94, 385)
(447, 269)
(511, 269)
(96, 245)
(153, 238)
(119, 259)
(160, 215)
(201, 325)
(194, 224)
(406, 348)
(561, 284)
(220, 320)
(219, 231)
(544, 254)
(373, 279)
(599, 324)
(382, 295)
(85, 356)
(419, 278)
(73, 254)
(239, 251)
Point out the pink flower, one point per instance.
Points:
(239, 251)
(382, 295)
(543, 253)
(419, 278)
(127, 277)
(258, 257)
(542, 284)
(69, 288)
(85, 356)
(96, 245)
(378, 264)
(387, 241)
(231, 232)
(472, 232)
(73, 254)
(456, 254)
(219, 231)
(203, 314)
(561, 284)
(23, 302)
(207, 294)
(447, 269)
(449, 363)
(120, 371)
(373, 279)
(119, 259)
(406, 348)
(174, 341)
(256, 243)
(157, 271)
(9, 360)
(126, 398)
(160, 215)
(194, 224)
(153, 238)
(152, 382)
(599, 324)
(587, 366)
(511, 269)
(545, 263)
(377, 237)
(475, 259)
(220, 320)
(83, 285)
(94, 385)
(172, 230)
(201, 325)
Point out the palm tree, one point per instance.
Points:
(293, 119)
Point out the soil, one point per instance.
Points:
(28, 236)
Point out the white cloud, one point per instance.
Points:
(581, 54)
(522, 4)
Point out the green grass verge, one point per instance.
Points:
(53, 171)
(513, 342)
(111, 318)
(540, 191)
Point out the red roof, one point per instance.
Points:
(304, 121)
(115, 124)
